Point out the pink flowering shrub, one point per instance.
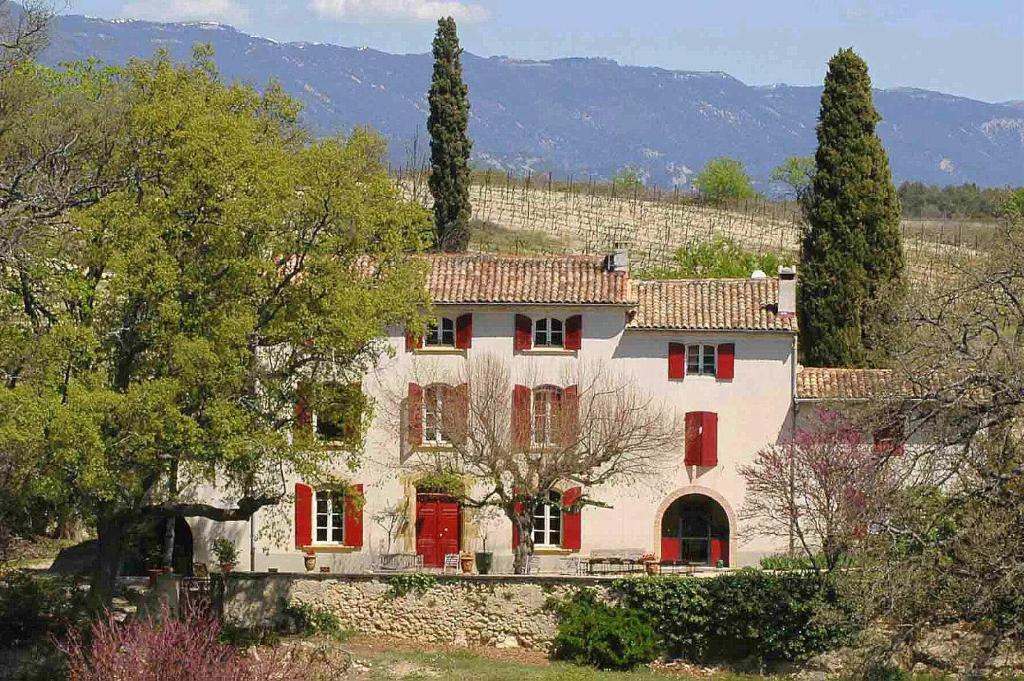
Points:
(172, 649)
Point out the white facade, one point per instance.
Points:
(754, 409)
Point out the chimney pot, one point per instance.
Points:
(787, 290)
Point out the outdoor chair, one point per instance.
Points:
(451, 560)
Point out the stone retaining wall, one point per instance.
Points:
(502, 611)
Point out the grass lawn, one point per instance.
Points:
(491, 665)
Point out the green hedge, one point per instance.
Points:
(748, 613)
(594, 633)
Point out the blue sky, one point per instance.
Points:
(973, 48)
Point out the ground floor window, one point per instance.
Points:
(330, 524)
(547, 521)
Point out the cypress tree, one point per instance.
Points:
(449, 141)
(852, 269)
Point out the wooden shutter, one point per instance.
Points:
(354, 517)
(725, 368)
(412, 342)
(676, 360)
(569, 413)
(515, 526)
(464, 331)
(456, 413)
(303, 515)
(524, 332)
(521, 417)
(303, 414)
(571, 526)
(415, 417)
(693, 448)
(709, 439)
(574, 332)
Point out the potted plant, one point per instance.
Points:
(226, 554)
(154, 564)
(309, 560)
(651, 564)
(484, 559)
(466, 558)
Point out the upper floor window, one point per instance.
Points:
(548, 332)
(433, 414)
(330, 523)
(544, 414)
(441, 333)
(701, 360)
(547, 521)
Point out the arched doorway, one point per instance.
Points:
(182, 555)
(695, 531)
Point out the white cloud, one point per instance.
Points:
(399, 10)
(186, 10)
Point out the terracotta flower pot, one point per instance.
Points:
(309, 560)
(467, 564)
(227, 567)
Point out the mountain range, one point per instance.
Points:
(585, 117)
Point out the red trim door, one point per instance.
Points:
(437, 528)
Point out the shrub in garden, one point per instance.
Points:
(34, 608)
(608, 637)
(748, 613)
(171, 649)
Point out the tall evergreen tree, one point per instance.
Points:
(449, 141)
(852, 260)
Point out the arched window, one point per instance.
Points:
(433, 411)
(547, 521)
(544, 413)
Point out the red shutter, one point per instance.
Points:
(464, 331)
(726, 361)
(693, 448)
(354, 517)
(570, 415)
(456, 406)
(574, 332)
(521, 417)
(524, 332)
(709, 439)
(303, 515)
(415, 405)
(571, 527)
(412, 342)
(719, 552)
(303, 414)
(515, 527)
(676, 360)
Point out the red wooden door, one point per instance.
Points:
(671, 548)
(437, 528)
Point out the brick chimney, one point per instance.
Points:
(787, 291)
(618, 259)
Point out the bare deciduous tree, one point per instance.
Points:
(521, 439)
(22, 31)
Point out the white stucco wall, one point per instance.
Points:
(753, 410)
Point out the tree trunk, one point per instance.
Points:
(523, 551)
(110, 535)
(168, 553)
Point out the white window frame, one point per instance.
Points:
(332, 514)
(543, 515)
(432, 415)
(542, 338)
(707, 359)
(440, 333)
(549, 416)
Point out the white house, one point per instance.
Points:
(720, 351)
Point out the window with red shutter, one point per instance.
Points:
(572, 527)
(412, 342)
(415, 414)
(676, 360)
(726, 361)
(354, 517)
(303, 515)
(574, 332)
(523, 333)
(693, 446)
(570, 415)
(521, 417)
(709, 439)
(464, 331)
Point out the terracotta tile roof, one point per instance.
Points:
(697, 304)
(826, 383)
(474, 278)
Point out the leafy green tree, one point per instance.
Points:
(715, 258)
(448, 124)
(628, 178)
(795, 173)
(724, 179)
(157, 336)
(852, 257)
